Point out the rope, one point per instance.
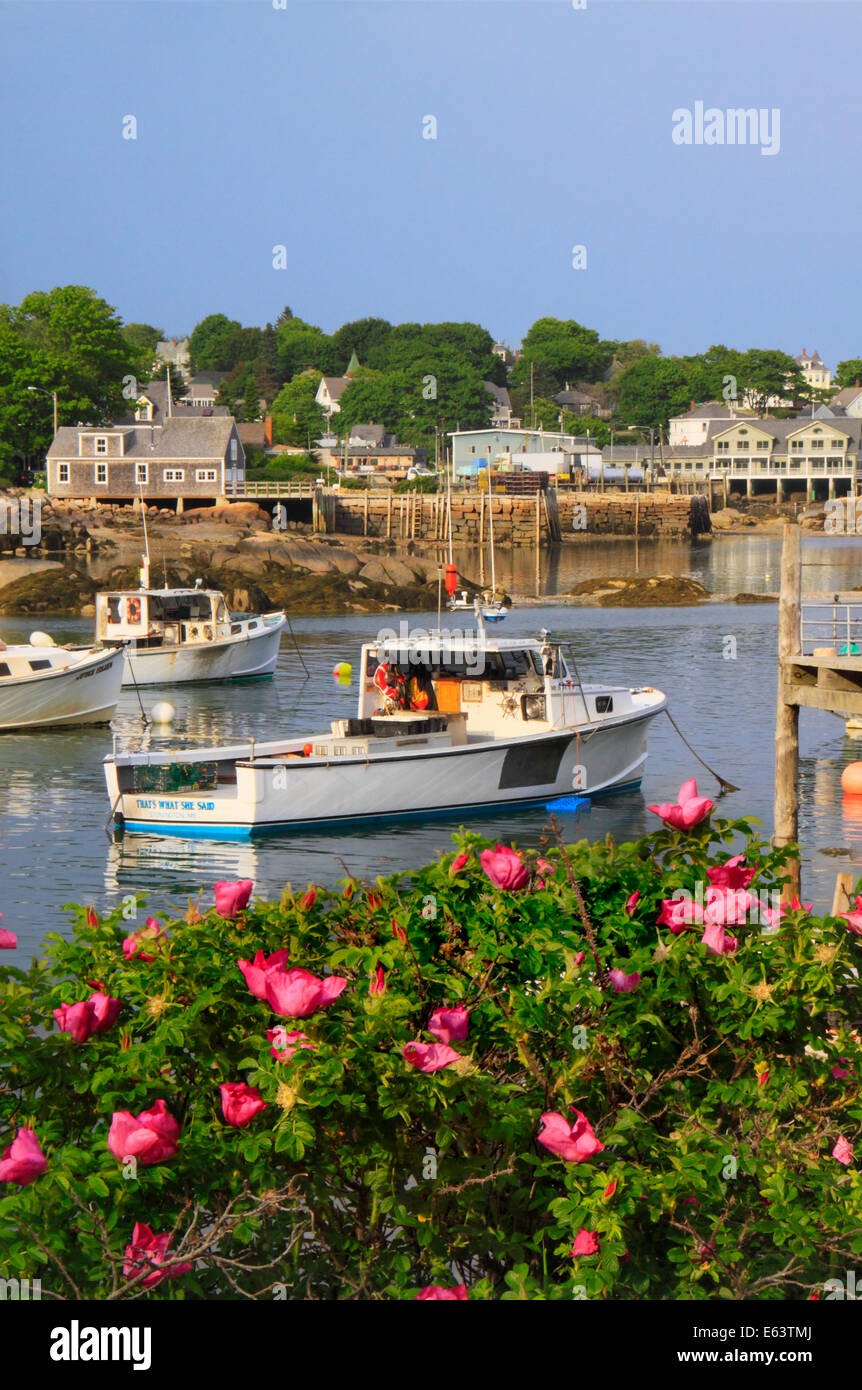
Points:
(296, 644)
(722, 781)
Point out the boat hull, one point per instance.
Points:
(308, 794)
(86, 693)
(244, 658)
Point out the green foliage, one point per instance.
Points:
(710, 1087)
(848, 372)
(296, 416)
(565, 350)
(282, 467)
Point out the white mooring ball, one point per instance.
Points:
(163, 712)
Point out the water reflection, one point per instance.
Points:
(53, 845)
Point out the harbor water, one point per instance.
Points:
(716, 662)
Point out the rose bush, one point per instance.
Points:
(549, 1088)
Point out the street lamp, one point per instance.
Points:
(53, 394)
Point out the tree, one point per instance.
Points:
(368, 338)
(848, 372)
(299, 346)
(652, 389)
(143, 339)
(766, 372)
(296, 416)
(251, 401)
(568, 350)
(217, 344)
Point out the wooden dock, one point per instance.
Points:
(826, 677)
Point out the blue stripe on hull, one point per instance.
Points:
(246, 832)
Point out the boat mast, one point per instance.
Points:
(491, 535)
(145, 566)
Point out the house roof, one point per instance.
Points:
(336, 385)
(573, 398)
(157, 393)
(846, 395)
(369, 434)
(207, 379)
(196, 436)
(500, 394)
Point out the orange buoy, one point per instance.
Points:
(451, 580)
(307, 750)
(851, 779)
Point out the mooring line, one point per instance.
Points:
(722, 781)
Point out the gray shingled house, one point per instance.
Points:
(183, 458)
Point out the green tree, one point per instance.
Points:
(216, 344)
(848, 372)
(652, 389)
(568, 350)
(301, 345)
(296, 416)
(251, 401)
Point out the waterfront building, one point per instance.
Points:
(502, 447)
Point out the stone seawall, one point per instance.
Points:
(518, 521)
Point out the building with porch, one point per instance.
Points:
(812, 455)
(191, 458)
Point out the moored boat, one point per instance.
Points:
(177, 636)
(447, 723)
(44, 686)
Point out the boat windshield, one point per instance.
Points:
(478, 662)
(179, 608)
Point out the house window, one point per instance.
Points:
(796, 443)
(62, 473)
(837, 443)
(101, 445)
(763, 443)
(174, 475)
(817, 443)
(205, 475)
(743, 444)
(723, 445)
(101, 473)
(140, 472)
(233, 450)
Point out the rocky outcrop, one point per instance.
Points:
(659, 591)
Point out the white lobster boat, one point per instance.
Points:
(175, 636)
(43, 686)
(503, 723)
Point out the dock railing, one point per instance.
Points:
(834, 623)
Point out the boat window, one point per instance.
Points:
(4, 669)
(114, 608)
(40, 665)
(604, 704)
(180, 608)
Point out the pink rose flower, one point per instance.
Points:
(449, 1025)
(105, 1011)
(439, 1293)
(729, 907)
(255, 972)
(586, 1243)
(284, 1044)
(240, 1103)
(842, 1151)
(152, 935)
(430, 1057)
(309, 897)
(611, 1188)
(505, 868)
(763, 1078)
(8, 939)
(632, 901)
(150, 1137)
(716, 939)
(853, 920)
(231, 898)
(76, 1020)
(149, 1251)
(23, 1161)
(841, 1073)
(297, 993)
(623, 983)
(732, 874)
(580, 957)
(458, 863)
(679, 913)
(378, 981)
(574, 1143)
(689, 810)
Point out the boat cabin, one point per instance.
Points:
(496, 689)
(162, 617)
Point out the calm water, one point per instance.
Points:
(54, 849)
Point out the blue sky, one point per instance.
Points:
(302, 127)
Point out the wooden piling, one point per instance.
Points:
(389, 516)
(365, 515)
(786, 809)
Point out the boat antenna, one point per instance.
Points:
(491, 536)
(449, 511)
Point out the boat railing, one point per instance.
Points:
(834, 622)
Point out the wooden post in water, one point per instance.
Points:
(365, 515)
(389, 515)
(786, 810)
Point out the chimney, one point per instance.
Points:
(691, 407)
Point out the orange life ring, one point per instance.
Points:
(133, 610)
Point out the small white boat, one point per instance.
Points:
(43, 686)
(491, 724)
(176, 636)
